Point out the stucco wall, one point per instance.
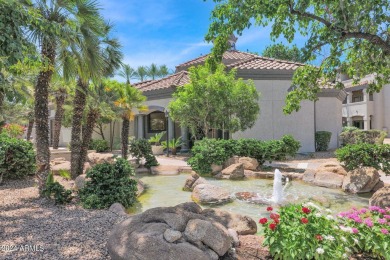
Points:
(329, 118)
(272, 123)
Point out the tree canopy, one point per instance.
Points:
(283, 52)
(215, 100)
(354, 33)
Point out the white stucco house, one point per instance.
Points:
(272, 79)
(363, 110)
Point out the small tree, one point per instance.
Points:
(283, 52)
(215, 101)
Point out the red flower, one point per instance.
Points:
(304, 220)
(319, 237)
(306, 210)
(263, 221)
(270, 208)
(276, 220)
(274, 216)
(272, 226)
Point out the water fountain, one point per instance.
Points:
(277, 194)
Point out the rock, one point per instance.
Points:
(87, 166)
(97, 158)
(190, 181)
(210, 194)
(214, 235)
(171, 235)
(328, 180)
(258, 175)
(230, 161)
(118, 209)
(80, 181)
(245, 195)
(147, 235)
(140, 186)
(185, 169)
(332, 167)
(249, 163)
(309, 176)
(62, 166)
(215, 168)
(381, 197)
(200, 180)
(361, 180)
(234, 236)
(378, 186)
(251, 248)
(321, 200)
(133, 162)
(243, 225)
(58, 160)
(234, 172)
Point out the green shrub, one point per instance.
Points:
(141, 148)
(14, 130)
(308, 232)
(109, 183)
(353, 135)
(372, 155)
(55, 190)
(17, 158)
(212, 151)
(349, 128)
(322, 139)
(99, 145)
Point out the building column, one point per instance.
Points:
(184, 138)
(140, 125)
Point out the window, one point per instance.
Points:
(156, 122)
(371, 97)
(345, 100)
(357, 96)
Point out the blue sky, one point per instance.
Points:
(170, 31)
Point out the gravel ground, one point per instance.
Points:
(28, 224)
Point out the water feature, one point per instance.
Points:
(277, 193)
(166, 191)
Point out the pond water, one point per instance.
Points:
(164, 191)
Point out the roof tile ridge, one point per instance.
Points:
(240, 62)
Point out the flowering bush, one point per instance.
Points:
(308, 232)
(13, 130)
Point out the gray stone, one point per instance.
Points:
(249, 163)
(234, 172)
(361, 180)
(80, 181)
(118, 209)
(65, 166)
(309, 176)
(381, 197)
(234, 236)
(328, 180)
(86, 167)
(230, 161)
(216, 168)
(190, 181)
(198, 181)
(97, 158)
(210, 194)
(214, 235)
(172, 235)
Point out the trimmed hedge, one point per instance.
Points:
(322, 139)
(372, 155)
(99, 145)
(212, 151)
(17, 158)
(355, 136)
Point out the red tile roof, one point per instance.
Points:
(174, 80)
(262, 63)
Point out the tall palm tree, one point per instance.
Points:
(66, 20)
(142, 73)
(128, 99)
(128, 73)
(163, 71)
(153, 71)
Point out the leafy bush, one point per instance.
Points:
(352, 135)
(141, 148)
(212, 151)
(99, 145)
(156, 139)
(13, 130)
(109, 183)
(372, 155)
(55, 190)
(349, 128)
(17, 158)
(307, 232)
(322, 139)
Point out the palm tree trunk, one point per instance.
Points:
(29, 128)
(41, 111)
(75, 143)
(60, 100)
(125, 136)
(92, 117)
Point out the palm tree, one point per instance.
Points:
(67, 20)
(153, 71)
(128, 99)
(142, 73)
(128, 73)
(163, 71)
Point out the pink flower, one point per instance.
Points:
(374, 208)
(382, 221)
(363, 210)
(358, 220)
(368, 222)
(269, 209)
(355, 230)
(382, 211)
(387, 216)
(384, 231)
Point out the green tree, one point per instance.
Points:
(142, 73)
(129, 98)
(163, 71)
(355, 33)
(153, 71)
(283, 52)
(127, 73)
(215, 100)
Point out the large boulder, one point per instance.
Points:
(64, 166)
(140, 186)
(190, 181)
(97, 158)
(381, 197)
(58, 160)
(230, 161)
(180, 232)
(361, 180)
(210, 194)
(80, 181)
(249, 163)
(329, 175)
(251, 248)
(118, 209)
(233, 172)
